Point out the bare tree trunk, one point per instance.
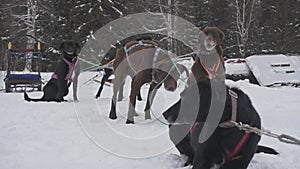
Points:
(31, 30)
(244, 18)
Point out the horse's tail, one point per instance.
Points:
(267, 150)
(120, 56)
(27, 98)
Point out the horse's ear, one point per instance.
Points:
(222, 36)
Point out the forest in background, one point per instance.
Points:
(250, 26)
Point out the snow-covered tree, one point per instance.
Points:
(244, 19)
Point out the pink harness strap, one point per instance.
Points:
(193, 127)
(70, 72)
(54, 76)
(230, 155)
(71, 69)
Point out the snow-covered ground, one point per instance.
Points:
(79, 135)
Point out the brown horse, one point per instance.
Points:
(144, 62)
(209, 62)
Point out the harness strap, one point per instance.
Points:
(234, 97)
(71, 69)
(72, 66)
(140, 43)
(157, 50)
(212, 72)
(193, 127)
(54, 76)
(109, 65)
(126, 50)
(230, 155)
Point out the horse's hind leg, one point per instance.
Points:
(139, 96)
(119, 79)
(121, 96)
(121, 93)
(136, 85)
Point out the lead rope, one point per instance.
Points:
(151, 96)
(156, 87)
(249, 129)
(282, 137)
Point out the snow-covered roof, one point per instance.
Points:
(271, 70)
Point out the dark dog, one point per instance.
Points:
(229, 148)
(58, 85)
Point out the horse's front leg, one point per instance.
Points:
(150, 98)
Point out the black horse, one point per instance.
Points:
(226, 147)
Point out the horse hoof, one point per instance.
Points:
(129, 121)
(113, 117)
(147, 115)
(120, 99)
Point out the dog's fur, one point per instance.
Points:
(209, 57)
(57, 88)
(141, 64)
(211, 152)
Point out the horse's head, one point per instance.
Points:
(214, 37)
(209, 61)
(166, 72)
